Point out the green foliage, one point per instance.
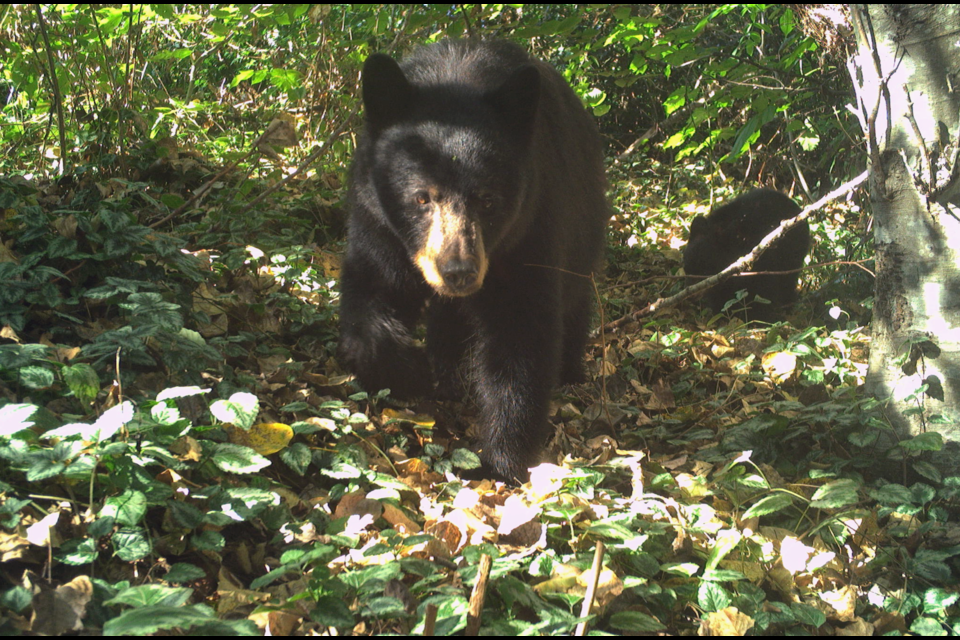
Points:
(154, 326)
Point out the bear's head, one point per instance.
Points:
(447, 147)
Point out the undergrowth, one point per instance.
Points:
(181, 452)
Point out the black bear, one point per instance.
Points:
(731, 231)
(477, 191)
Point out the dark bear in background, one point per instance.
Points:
(477, 190)
(731, 231)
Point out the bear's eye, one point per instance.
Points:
(422, 197)
(486, 201)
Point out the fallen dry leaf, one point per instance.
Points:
(859, 627)
(609, 586)
(13, 547)
(514, 513)
(843, 603)
(186, 449)
(57, 611)
(451, 531)
(399, 520)
(726, 622)
(357, 504)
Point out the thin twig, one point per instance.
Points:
(591, 590)
(478, 596)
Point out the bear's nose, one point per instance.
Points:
(460, 274)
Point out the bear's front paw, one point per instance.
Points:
(402, 369)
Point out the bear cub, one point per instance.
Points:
(731, 231)
(476, 192)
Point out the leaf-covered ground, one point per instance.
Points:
(181, 452)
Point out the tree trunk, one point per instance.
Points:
(905, 76)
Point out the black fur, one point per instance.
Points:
(733, 230)
(476, 187)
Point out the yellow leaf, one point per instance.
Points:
(422, 420)
(561, 584)
(779, 365)
(264, 438)
(726, 622)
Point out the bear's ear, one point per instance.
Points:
(387, 95)
(699, 226)
(518, 97)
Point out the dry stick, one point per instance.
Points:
(591, 590)
(430, 620)
(746, 261)
(478, 595)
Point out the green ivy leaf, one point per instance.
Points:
(465, 459)
(332, 612)
(185, 514)
(149, 595)
(148, 620)
(834, 495)
(865, 438)
(16, 599)
(929, 441)
(182, 572)
(297, 456)
(806, 614)
(82, 380)
(234, 458)
(686, 569)
(936, 601)
(635, 621)
(386, 607)
(180, 392)
(712, 597)
(208, 541)
(930, 565)
(928, 627)
(131, 544)
(241, 409)
(128, 508)
(113, 420)
(770, 504)
(43, 468)
(726, 541)
(36, 377)
(723, 575)
(451, 614)
(892, 495)
(79, 551)
(928, 471)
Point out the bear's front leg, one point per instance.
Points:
(380, 303)
(514, 369)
